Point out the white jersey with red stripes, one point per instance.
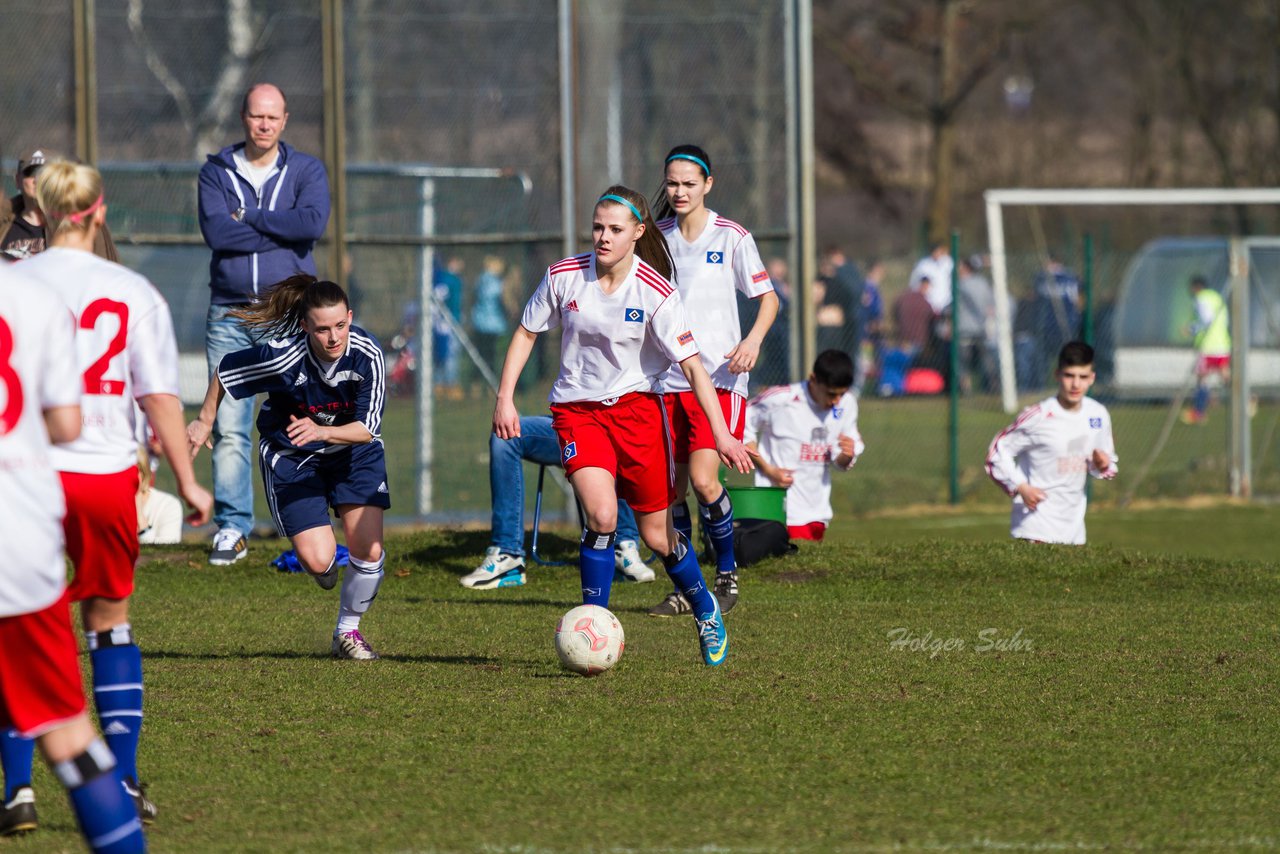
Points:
(125, 349)
(612, 344)
(722, 259)
(793, 432)
(1052, 448)
(37, 373)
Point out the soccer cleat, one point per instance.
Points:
(329, 578)
(20, 813)
(627, 561)
(352, 645)
(726, 590)
(498, 570)
(674, 605)
(146, 809)
(712, 637)
(229, 546)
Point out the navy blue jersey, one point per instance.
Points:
(297, 383)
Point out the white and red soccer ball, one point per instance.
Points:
(589, 639)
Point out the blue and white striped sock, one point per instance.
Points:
(117, 692)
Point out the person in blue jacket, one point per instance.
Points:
(263, 205)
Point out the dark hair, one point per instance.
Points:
(652, 246)
(1198, 281)
(244, 102)
(833, 368)
(661, 207)
(1075, 354)
(287, 303)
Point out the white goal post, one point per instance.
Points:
(997, 200)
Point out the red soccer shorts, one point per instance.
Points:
(1212, 365)
(102, 532)
(690, 427)
(40, 683)
(812, 531)
(630, 440)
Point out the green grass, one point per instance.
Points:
(1140, 715)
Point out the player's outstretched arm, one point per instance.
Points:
(506, 420)
(199, 430)
(732, 452)
(164, 411)
(304, 431)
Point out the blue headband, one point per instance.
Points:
(610, 197)
(706, 170)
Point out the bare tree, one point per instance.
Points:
(206, 122)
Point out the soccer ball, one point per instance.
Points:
(589, 639)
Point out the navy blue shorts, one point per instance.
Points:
(301, 488)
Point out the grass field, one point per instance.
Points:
(916, 683)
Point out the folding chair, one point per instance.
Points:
(537, 519)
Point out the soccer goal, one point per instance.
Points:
(1150, 358)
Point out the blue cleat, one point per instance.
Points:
(712, 637)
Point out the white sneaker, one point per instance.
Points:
(626, 560)
(352, 645)
(229, 546)
(498, 570)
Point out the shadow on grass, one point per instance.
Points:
(460, 551)
(287, 655)
(516, 603)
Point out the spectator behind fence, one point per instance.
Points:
(444, 345)
(22, 225)
(872, 312)
(936, 267)
(841, 305)
(263, 206)
(1057, 312)
(1210, 331)
(503, 564)
(488, 316)
(975, 327)
(801, 430)
(913, 318)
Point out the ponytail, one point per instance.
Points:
(69, 194)
(652, 246)
(280, 315)
(692, 153)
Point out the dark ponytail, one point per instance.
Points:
(287, 303)
(652, 246)
(692, 153)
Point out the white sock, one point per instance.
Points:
(359, 587)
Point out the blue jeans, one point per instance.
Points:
(538, 444)
(233, 447)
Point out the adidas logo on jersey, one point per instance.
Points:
(115, 728)
(382, 487)
(572, 306)
(301, 380)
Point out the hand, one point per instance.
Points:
(304, 431)
(197, 435)
(1101, 461)
(780, 477)
(846, 446)
(1031, 496)
(734, 454)
(743, 357)
(200, 502)
(506, 420)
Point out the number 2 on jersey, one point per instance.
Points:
(94, 382)
(9, 378)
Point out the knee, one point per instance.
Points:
(604, 520)
(367, 552)
(707, 486)
(316, 560)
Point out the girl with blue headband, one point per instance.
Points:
(623, 328)
(713, 257)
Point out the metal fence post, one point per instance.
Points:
(953, 429)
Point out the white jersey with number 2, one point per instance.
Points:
(612, 344)
(1052, 448)
(709, 269)
(36, 373)
(125, 349)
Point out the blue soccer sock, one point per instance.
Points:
(117, 693)
(360, 585)
(15, 754)
(106, 813)
(682, 567)
(717, 520)
(1201, 403)
(683, 522)
(595, 566)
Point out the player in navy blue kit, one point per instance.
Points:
(325, 382)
